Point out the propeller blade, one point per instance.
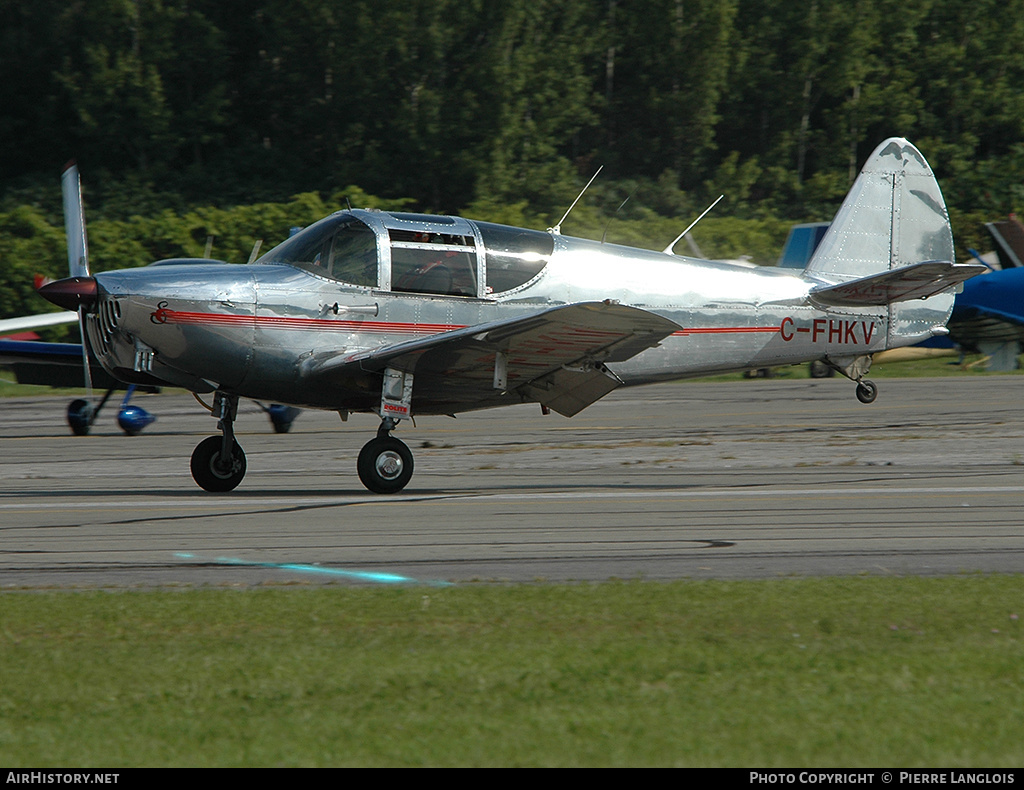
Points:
(74, 221)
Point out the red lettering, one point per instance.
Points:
(819, 327)
(835, 331)
(869, 330)
(782, 329)
(849, 336)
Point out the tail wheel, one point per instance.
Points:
(867, 391)
(214, 473)
(385, 465)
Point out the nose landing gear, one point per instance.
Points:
(218, 463)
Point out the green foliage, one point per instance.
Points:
(29, 245)
(497, 110)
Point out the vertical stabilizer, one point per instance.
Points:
(74, 222)
(893, 216)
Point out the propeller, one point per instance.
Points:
(78, 291)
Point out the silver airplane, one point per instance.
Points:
(407, 315)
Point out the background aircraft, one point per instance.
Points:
(407, 314)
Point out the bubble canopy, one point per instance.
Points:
(417, 253)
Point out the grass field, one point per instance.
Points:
(860, 671)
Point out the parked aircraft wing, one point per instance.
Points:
(917, 281)
(25, 323)
(555, 356)
(51, 364)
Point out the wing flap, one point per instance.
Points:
(918, 281)
(556, 356)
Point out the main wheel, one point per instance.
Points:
(867, 391)
(210, 471)
(80, 417)
(385, 465)
(134, 419)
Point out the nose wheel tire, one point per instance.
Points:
(211, 471)
(385, 465)
(867, 391)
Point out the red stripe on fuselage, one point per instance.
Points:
(299, 324)
(165, 316)
(725, 330)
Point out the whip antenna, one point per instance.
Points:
(558, 226)
(668, 249)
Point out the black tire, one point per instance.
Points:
(209, 473)
(867, 391)
(80, 417)
(385, 465)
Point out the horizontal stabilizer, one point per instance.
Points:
(917, 281)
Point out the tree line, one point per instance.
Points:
(503, 110)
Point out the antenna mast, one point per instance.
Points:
(668, 249)
(558, 226)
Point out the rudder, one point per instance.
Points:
(893, 216)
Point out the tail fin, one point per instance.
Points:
(74, 221)
(894, 216)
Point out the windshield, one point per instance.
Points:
(340, 247)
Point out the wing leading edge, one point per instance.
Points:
(556, 357)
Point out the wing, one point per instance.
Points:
(50, 364)
(917, 281)
(57, 365)
(556, 357)
(9, 326)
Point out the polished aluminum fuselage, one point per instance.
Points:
(252, 330)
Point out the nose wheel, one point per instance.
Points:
(218, 463)
(385, 465)
(214, 470)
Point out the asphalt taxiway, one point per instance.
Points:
(744, 479)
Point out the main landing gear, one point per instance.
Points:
(132, 420)
(385, 463)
